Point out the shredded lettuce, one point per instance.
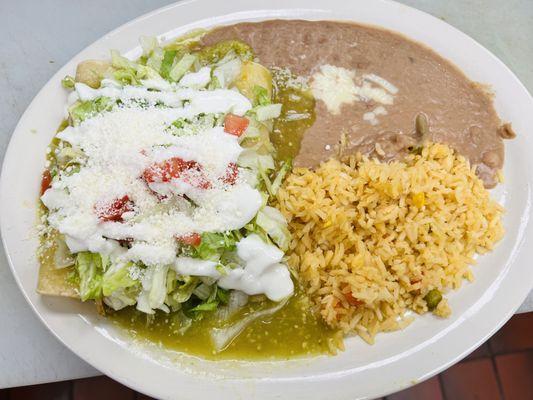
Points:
(269, 111)
(154, 289)
(284, 169)
(126, 76)
(127, 72)
(167, 63)
(252, 227)
(261, 96)
(171, 280)
(116, 277)
(214, 244)
(275, 226)
(259, 165)
(80, 111)
(118, 288)
(121, 62)
(90, 268)
(68, 82)
(69, 155)
(158, 289)
(250, 159)
(192, 126)
(206, 306)
(251, 134)
(263, 174)
(223, 295)
(125, 69)
(183, 291)
(155, 59)
(217, 296)
(148, 44)
(122, 298)
(181, 67)
(147, 72)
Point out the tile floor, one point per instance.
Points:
(501, 369)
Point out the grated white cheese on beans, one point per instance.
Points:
(337, 86)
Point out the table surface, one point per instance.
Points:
(29, 354)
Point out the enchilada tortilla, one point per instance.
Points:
(55, 282)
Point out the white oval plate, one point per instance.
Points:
(397, 360)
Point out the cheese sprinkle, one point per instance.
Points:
(118, 148)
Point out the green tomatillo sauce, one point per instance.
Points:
(293, 331)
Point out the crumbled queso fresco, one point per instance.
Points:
(337, 86)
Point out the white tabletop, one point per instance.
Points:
(40, 36)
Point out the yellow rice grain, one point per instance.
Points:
(371, 239)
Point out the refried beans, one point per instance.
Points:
(457, 111)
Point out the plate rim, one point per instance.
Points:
(163, 10)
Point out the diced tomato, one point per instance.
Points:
(352, 300)
(46, 181)
(113, 211)
(200, 182)
(235, 125)
(231, 174)
(192, 239)
(160, 197)
(174, 168)
(167, 170)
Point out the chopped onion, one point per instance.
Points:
(226, 73)
(269, 111)
(236, 301)
(62, 256)
(202, 291)
(222, 337)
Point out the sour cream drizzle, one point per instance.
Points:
(261, 272)
(199, 101)
(123, 143)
